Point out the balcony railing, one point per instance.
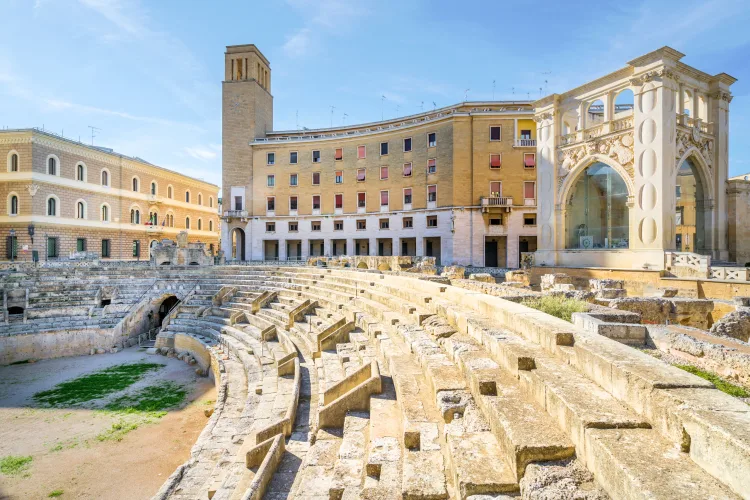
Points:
(529, 202)
(235, 213)
(497, 201)
(690, 122)
(525, 143)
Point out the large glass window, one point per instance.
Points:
(597, 215)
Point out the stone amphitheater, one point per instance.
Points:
(346, 383)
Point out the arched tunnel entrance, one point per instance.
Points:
(166, 306)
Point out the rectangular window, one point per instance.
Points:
(384, 198)
(407, 196)
(293, 227)
(385, 223)
(292, 179)
(432, 193)
(315, 226)
(496, 222)
(339, 201)
(293, 157)
(361, 152)
(292, 203)
(136, 248)
(106, 248)
(270, 181)
(361, 200)
(408, 223)
(270, 158)
(407, 144)
(339, 176)
(238, 202)
(431, 140)
(383, 148)
(52, 248)
(496, 133)
(361, 175)
(678, 216)
(316, 156)
(11, 247)
(361, 225)
(270, 227)
(316, 178)
(526, 135)
(495, 160)
(383, 173)
(431, 166)
(432, 221)
(80, 244)
(529, 190)
(338, 154)
(496, 189)
(270, 203)
(678, 191)
(529, 160)
(338, 225)
(407, 169)
(316, 202)
(529, 219)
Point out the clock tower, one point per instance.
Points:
(247, 114)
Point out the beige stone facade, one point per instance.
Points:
(457, 183)
(76, 197)
(738, 198)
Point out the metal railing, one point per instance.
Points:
(525, 143)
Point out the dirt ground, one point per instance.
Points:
(67, 455)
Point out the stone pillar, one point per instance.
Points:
(282, 250)
(720, 118)
(420, 245)
(652, 219)
(350, 246)
(305, 249)
(549, 223)
(373, 246)
(327, 247)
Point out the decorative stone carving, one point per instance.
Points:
(686, 140)
(619, 147)
(723, 96)
(663, 73)
(32, 189)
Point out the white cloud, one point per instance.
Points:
(201, 153)
(298, 44)
(324, 17)
(121, 13)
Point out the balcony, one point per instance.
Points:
(497, 201)
(242, 214)
(154, 229)
(529, 202)
(525, 143)
(152, 198)
(690, 122)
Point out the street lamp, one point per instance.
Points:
(12, 244)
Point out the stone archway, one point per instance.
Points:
(694, 208)
(166, 305)
(238, 244)
(595, 210)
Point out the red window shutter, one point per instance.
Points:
(339, 200)
(384, 198)
(529, 160)
(339, 154)
(361, 152)
(528, 190)
(495, 161)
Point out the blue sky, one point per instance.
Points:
(148, 72)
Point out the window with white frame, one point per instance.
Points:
(316, 178)
(81, 172)
(293, 157)
(407, 169)
(292, 203)
(383, 148)
(270, 204)
(496, 133)
(80, 209)
(407, 196)
(383, 173)
(52, 207)
(316, 202)
(292, 179)
(361, 200)
(361, 152)
(338, 154)
(407, 144)
(316, 156)
(270, 180)
(135, 184)
(12, 204)
(270, 158)
(432, 193)
(104, 213)
(431, 140)
(431, 166)
(384, 198)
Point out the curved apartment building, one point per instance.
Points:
(457, 183)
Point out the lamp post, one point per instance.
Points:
(12, 244)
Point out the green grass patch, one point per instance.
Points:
(117, 431)
(95, 385)
(560, 307)
(55, 493)
(65, 445)
(153, 399)
(13, 465)
(721, 384)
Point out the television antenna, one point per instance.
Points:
(333, 108)
(466, 94)
(493, 90)
(93, 134)
(382, 113)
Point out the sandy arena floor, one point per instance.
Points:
(67, 455)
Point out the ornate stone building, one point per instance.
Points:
(608, 174)
(457, 183)
(76, 198)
